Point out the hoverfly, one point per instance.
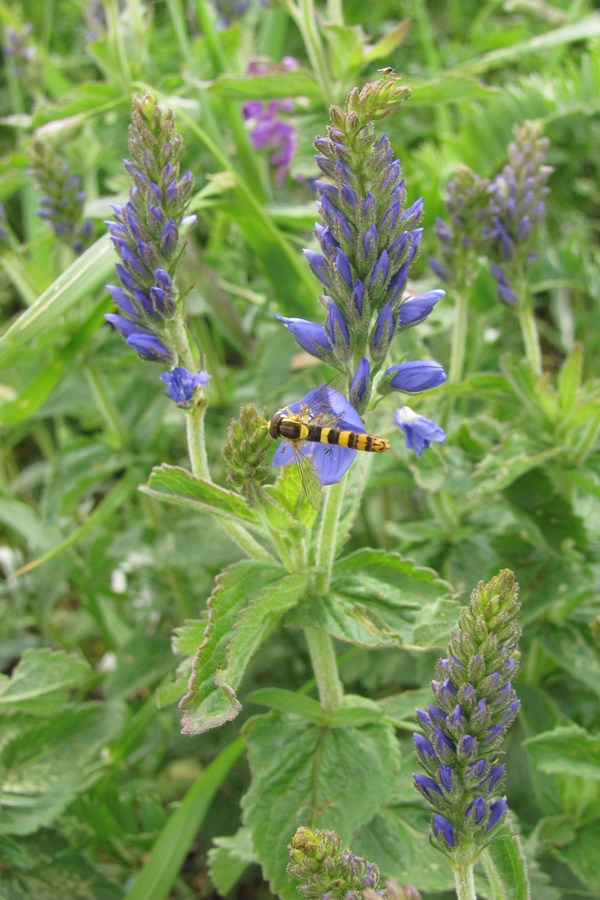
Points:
(321, 434)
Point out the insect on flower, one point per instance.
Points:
(321, 433)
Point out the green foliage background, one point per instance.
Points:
(101, 795)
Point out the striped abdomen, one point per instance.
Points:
(355, 440)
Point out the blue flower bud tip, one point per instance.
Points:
(416, 376)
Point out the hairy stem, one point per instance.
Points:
(464, 882)
(324, 664)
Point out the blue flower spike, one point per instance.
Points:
(465, 727)
(368, 239)
(146, 234)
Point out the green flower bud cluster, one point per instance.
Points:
(244, 453)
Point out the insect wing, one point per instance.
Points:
(329, 407)
(310, 482)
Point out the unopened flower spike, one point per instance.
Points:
(325, 870)
(63, 199)
(474, 704)
(369, 238)
(516, 208)
(461, 237)
(247, 444)
(146, 233)
(21, 54)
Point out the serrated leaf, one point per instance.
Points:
(229, 858)
(175, 485)
(396, 840)
(304, 774)
(39, 673)
(249, 599)
(46, 766)
(379, 598)
(568, 750)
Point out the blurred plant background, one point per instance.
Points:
(101, 794)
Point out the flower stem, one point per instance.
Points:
(320, 644)
(529, 330)
(459, 336)
(196, 442)
(327, 540)
(324, 664)
(464, 882)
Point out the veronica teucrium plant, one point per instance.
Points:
(293, 571)
(464, 728)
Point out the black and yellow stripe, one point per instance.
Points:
(354, 440)
(295, 430)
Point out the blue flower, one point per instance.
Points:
(329, 461)
(416, 310)
(181, 384)
(415, 376)
(312, 337)
(419, 431)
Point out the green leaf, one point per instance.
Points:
(45, 766)
(304, 774)
(229, 858)
(386, 44)
(515, 456)
(42, 676)
(379, 598)
(172, 484)
(48, 865)
(574, 651)
(396, 840)
(292, 703)
(356, 710)
(582, 857)
(163, 866)
(584, 29)
(536, 498)
(569, 379)
(505, 866)
(75, 285)
(568, 750)
(248, 601)
(141, 662)
(271, 85)
(400, 708)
